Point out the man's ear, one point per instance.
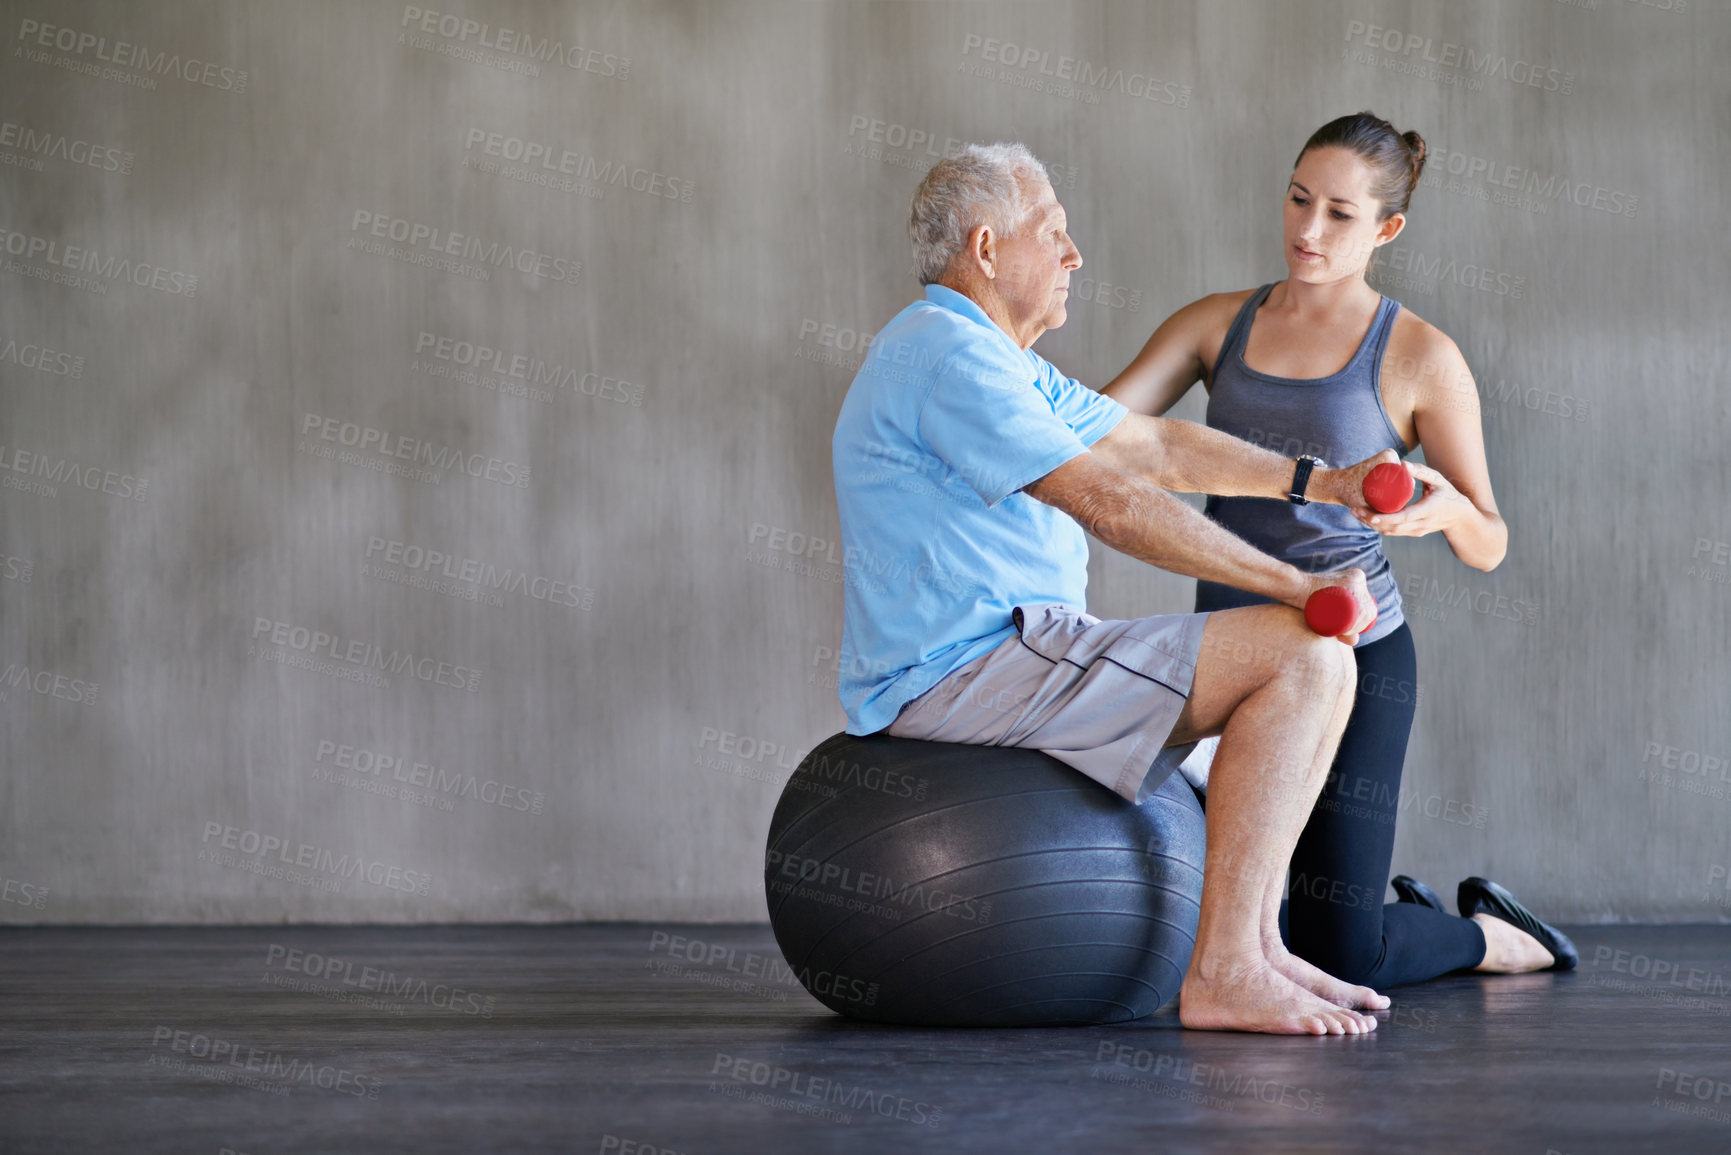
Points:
(983, 248)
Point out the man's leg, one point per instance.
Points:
(1279, 697)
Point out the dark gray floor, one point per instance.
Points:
(617, 1038)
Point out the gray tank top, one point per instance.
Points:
(1339, 418)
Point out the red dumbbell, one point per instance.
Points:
(1332, 610)
(1388, 487)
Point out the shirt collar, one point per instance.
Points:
(947, 298)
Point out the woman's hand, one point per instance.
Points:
(1442, 508)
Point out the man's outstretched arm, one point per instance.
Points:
(1135, 516)
(1185, 457)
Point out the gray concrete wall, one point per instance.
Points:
(587, 706)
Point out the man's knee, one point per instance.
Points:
(1262, 643)
(1344, 669)
(1245, 650)
(1323, 665)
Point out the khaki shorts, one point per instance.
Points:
(1101, 696)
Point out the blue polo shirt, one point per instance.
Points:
(945, 423)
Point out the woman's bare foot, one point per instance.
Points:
(1322, 984)
(1252, 996)
(1509, 950)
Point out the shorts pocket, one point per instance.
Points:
(1055, 631)
(1160, 648)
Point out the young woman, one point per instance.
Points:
(1321, 364)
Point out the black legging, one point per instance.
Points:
(1334, 916)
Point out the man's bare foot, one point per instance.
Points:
(1509, 950)
(1253, 996)
(1322, 984)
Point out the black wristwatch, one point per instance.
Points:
(1301, 477)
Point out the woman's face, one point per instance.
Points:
(1331, 222)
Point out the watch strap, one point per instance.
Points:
(1301, 479)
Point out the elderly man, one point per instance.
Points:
(966, 470)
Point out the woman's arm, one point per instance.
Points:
(1172, 360)
(1445, 421)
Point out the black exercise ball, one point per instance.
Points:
(938, 884)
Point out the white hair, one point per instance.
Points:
(980, 185)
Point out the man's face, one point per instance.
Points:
(1033, 267)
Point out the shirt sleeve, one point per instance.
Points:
(990, 421)
(1092, 415)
